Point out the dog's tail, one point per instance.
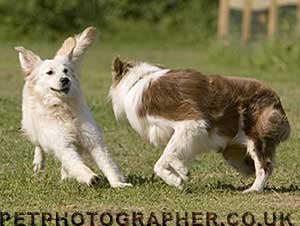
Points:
(273, 125)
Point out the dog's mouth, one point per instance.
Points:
(63, 90)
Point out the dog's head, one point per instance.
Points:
(57, 76)
(121, 68)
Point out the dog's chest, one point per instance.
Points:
(40, 122)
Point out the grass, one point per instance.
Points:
(213, 186)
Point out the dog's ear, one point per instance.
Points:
(117, 67)
(67, 48)
(83, 41)
(120, 68)
(28, 60)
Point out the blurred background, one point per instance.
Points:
(190, 20)
(49, 19)
(163, 23)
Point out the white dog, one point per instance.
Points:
(189, 113)
(56, 117)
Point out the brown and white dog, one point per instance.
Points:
(189, 113)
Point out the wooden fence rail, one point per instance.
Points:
(248, 6)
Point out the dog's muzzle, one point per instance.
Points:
(64, 81)
(65, 84)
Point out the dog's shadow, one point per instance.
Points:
(229, 187)
(135, 180)
(138, 180)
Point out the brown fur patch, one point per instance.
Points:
(221, 101)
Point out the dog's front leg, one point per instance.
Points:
(108, 166)
(180, 152)
(93, 141)
(170, 167)
(38, 160)
(74, 167)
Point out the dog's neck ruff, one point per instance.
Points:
(143, 77)
(139, 73)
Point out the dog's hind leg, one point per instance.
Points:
(38, 160)
(263, 168)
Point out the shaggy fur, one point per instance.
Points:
(188, 113)
(56, 117)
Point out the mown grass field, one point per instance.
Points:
(213, 186)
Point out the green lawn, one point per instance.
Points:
(213, 185)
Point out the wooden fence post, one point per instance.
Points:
(223, 22)
(298, 17)
(246, 24)
(272, 21)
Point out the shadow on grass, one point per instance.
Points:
(284, 189)
(135, 180)
(229, 187)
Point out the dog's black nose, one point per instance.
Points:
(64, 81)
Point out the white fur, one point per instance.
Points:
(62, 123)
(261, 175)
(182, 140)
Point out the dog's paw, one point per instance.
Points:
(94, 181)
(176, 182)
(37, 166)
(184, 176)
(64, 174)
(251, 190)
(121, 185)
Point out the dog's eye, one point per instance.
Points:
(65, 70)
(50, 72)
